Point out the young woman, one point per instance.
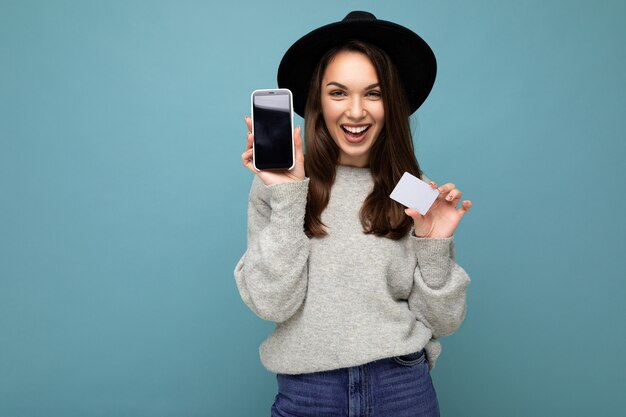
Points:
(360, 288)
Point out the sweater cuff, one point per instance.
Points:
(288, 202)
(435, 257)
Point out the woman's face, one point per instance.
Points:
(352, 106)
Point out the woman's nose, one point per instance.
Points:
(356, 109)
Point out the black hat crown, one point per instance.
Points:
(358, 15)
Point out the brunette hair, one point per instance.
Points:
(391, 154)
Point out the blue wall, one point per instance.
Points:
(123, 201)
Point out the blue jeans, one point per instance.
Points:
(392, 387)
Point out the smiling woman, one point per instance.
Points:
(357, 85)
(352, 106)
(360, 290)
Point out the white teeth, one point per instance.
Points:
(355, 130)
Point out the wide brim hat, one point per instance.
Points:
(411, 55)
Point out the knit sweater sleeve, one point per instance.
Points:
(272, 274)
(439, 286)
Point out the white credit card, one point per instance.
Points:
(414, 193)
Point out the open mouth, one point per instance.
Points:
(355, 133)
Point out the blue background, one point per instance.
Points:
(123, 201)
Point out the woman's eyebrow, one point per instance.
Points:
(337, 84)
(346, 88)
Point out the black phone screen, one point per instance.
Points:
(273, 143)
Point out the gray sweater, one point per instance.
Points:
(347, 298)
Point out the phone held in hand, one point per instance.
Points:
(272, 125)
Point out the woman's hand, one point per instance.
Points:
(443, 217)
(275, 177)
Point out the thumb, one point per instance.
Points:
(297, 136)
(412, 213)
(297, 141)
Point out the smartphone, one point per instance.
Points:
(272, 125)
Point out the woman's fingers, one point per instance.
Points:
(454, 195)
(465, 206)
(412, 213)
(446, 188)
(448, 191)
(250, 135)
(297, 141)
(246, 159)
(250, 139)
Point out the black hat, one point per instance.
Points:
(411, 54)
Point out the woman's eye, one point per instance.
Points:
(374, 94)
(336, 93)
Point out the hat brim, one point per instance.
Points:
(415, 61)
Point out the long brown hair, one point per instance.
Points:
(391, 154)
